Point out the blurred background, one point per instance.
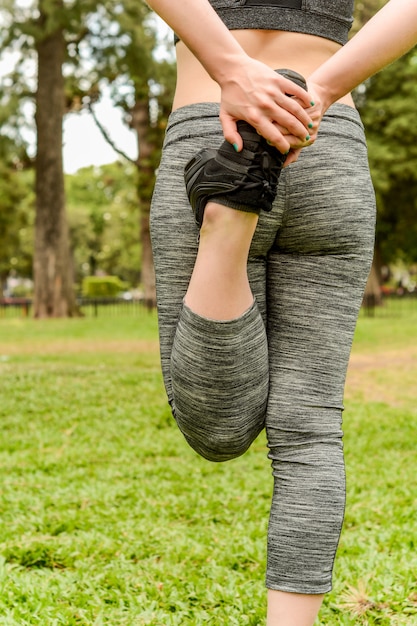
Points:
(85, 93)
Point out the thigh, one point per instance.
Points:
(317, 271)
(173, 229)
(174, 233)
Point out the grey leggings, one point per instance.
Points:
(282, 365)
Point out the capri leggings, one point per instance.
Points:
(282, 364)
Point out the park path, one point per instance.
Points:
(388, 376)
(80, 346)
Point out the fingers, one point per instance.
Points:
(230, 131)
(291, 89)
(283, 131)
(283, 118)
(296, 144)
(282, 135)
(280, 110)
(292, 156)
(295, 100)
(275, 134)
(294, 117)
(272, 133)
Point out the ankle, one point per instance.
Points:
(223, 219)
(292, 609)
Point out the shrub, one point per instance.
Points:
(102, 286)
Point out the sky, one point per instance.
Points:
(84, 144)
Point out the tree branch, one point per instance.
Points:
(107, 137)
(79, 38)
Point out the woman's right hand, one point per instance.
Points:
(258, 95)
(250, 90)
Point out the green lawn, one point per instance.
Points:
(108, 518)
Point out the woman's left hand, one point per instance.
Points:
(316, 113)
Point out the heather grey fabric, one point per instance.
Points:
(283, 363)
(331, 19)
(210, 373)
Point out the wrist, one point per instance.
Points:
(323, 95)
(228, 66)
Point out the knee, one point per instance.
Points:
(221, 443)
(223, 449)
(218, 450)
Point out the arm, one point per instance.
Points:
(386, 37)
(250, 90)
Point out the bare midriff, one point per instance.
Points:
(277, 49)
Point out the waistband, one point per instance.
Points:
(202, 119)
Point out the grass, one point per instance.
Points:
(108, 518)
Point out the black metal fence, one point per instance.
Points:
(15, 307)
(88, 307)
(392, 305)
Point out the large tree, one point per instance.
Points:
(72, 43)
(40, 32)
(53, 273)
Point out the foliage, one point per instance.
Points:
(113, 42)
(104, 221)
(16, 221)
(363, 11)
(110, 519)
(387, 103)
(121, 38)
(102, 286)
(127, 59)
(387, 110)
(16, 202)
(103, 215)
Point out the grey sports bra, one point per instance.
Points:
(331, 19)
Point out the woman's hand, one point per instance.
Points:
(316, 113)
(258, 95)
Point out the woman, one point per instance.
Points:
(257, 309)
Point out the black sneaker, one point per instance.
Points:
(245, 180)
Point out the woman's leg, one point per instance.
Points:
(219, 287)
(316, 276)
(292, 609)
(213, 347)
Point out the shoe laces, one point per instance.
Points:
(261, 174)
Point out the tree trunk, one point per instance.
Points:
(53, 271)
(141, 123)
